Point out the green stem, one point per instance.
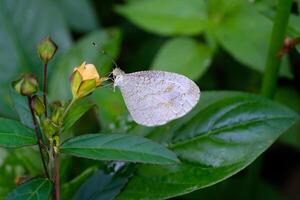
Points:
(56, 173)
(272, 67)
(273, 60)
(38, 137)
(45, 87)
(68, 108)
(57, 177)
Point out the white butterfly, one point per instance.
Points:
(155, 97)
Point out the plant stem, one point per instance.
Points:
(57, 177)
(45, 87)
(38, 138)
(68, 108)
(276, 43)
(269, 84)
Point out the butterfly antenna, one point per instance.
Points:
(109, 84)
(106, 54)
(109, 76)
(113, 61)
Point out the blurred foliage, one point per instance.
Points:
(221, 44)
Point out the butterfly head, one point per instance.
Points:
(117, 72)
(117, 76)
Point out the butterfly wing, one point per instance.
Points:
(156, 97)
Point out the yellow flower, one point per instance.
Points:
(85, 79)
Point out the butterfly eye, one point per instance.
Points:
(111, 76)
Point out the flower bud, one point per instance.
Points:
(57, 114)
(26, 85)
(84, 80)
(53, 105)
(57, 111)
(56, 141)
(46, 49)
(38, 106)
(49, 128)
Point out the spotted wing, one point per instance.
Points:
(155, 97)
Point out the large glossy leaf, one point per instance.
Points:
(222, 135)
(185, 56)
(167, 17)
(20, 104)
(247, 190)
(234, 129)
(154, 182)
(84, 50)
(118, 147)
(68, 189)
(102, 185)
(76, 112)
(243, 32)
(15, 134)
(23, 25)
(32, 190)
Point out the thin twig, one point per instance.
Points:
(56, 174)
(57, 177)
(38, 138)
(68, 108)
(45, 88)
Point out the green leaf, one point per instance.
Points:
(232, 130)
(15, 134)
(108, 40)
(20, 104)
(20, 32)
(185, 56)
(243, 32)
(247, 190)
(166, 17)
(69, 188)
(221, 136)
(118, 147)
(102, 185)
(111, 105)
(162, 182)
(34, 189)
(80, 15)
(76, 112)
